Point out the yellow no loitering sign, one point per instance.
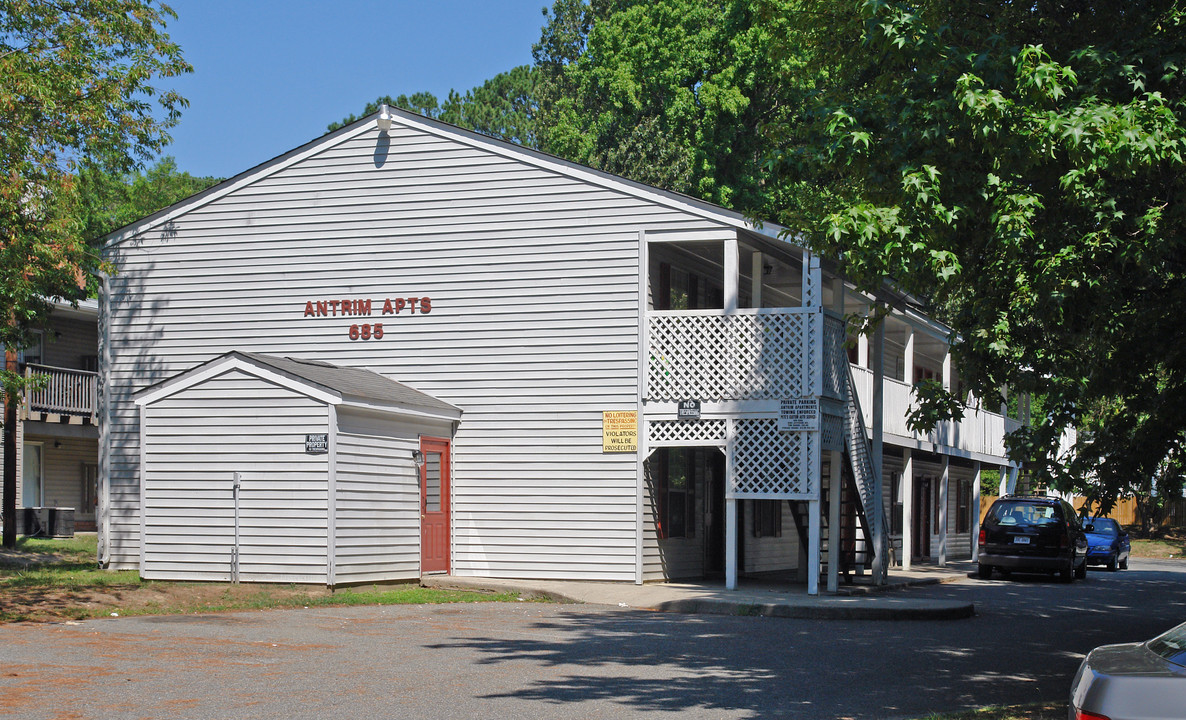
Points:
(619, 431)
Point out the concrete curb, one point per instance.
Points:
(933, 610)
(870, 605)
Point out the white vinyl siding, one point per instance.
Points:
(533, 331)
(769, 554)
(69, 341)
(62, 468)
(377, 524)
(197, 439)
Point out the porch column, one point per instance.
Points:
(730, 543)
(1003, 482)
(947, 369)
(907, 508)
(755, 288)
(908, 357)
(975, 510)
(834, 487)
(732, 261)
(863, 350)
(1013, 472)
(813, 532)
(880, 536)
(943, 483)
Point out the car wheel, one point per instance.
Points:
(1112, 564)
(1081, 571)
(984, 571)
(1067, 574)
(1124, 564)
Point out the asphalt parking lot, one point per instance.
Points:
(562, 661)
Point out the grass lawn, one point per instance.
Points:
(1168, 544)
(58, 579)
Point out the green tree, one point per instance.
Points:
(76, 81)
(1019, 168)
(110, 200)
(672, 93)
(503, 107)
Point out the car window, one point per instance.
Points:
(1171, 645)
(1106, 526)
(1022, 514)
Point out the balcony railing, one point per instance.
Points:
(979, 431)
(761, 355)
(746, 355)
(65, 392)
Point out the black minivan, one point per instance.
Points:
(1033, 533)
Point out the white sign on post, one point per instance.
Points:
(798, 415)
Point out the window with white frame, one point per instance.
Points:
(34, 351)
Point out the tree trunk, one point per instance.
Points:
(10, 469)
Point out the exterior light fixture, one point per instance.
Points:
(384, 120)
(418, 458)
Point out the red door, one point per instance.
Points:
(434, 506)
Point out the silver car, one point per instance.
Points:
(1133, 681)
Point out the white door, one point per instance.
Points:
(31, 477)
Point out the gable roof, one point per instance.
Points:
(506, 149)
(332, 384)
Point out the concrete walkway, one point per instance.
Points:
(766, 596)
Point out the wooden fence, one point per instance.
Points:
(1124, 512)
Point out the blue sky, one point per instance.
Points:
(270, 75)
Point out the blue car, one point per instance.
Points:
(1107, 543)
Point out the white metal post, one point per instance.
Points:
(907, 508)
(644, 341)
(880, 536)
(756, 264)
(834, 487)
(908, 357)
(975, 510)
(331, 518)
(730, 511)
(730, 543)
(813, 543)
(943, 482)
(732, 261)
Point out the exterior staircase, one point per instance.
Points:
(857, 496)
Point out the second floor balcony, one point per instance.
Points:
(62, 395)
(753, 357)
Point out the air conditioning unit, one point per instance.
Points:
(46, 522)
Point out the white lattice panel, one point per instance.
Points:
(772, 464)
(835, 358)
(728, 357)
(674, 433)
(832, 425)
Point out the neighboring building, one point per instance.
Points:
(560, 309)
(58, 434)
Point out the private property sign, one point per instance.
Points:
(619, 431)
(798, 415)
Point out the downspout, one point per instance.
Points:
(643, 427)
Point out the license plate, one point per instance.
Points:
(1021, 540)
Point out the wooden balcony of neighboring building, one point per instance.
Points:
(64, 396)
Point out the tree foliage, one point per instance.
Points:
(1020, 168)
(110, 200)
(672, 93)
(503, 107)
(76, 82)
